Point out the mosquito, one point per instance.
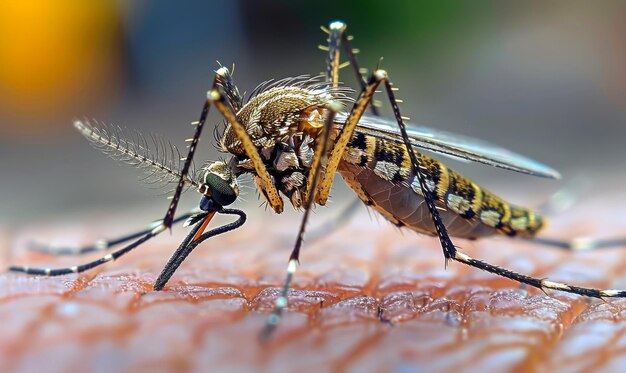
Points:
(293, 135)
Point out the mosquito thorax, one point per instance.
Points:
(276, 112)
(284, 120)
(218, 184)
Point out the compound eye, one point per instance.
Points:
(221, 190)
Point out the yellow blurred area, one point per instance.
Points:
(55, 56)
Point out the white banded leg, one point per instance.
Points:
(84, 267)
(100, 245)
(281, 302)
(451, 252)
(536, 282)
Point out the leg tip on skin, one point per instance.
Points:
(17, 269)
(270, 326)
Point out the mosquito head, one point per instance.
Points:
(218, 185)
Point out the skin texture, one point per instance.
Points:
(210, 313)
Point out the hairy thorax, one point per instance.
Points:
(284, 122)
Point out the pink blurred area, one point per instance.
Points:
(454, 319)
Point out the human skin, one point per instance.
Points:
(368, 297)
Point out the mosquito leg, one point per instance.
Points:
(450, 251)
(337, 39)
(580, 243)
(99, 245)
(83, 267)
(191, 242)
(224, 80)
(171, 210)
(268, 189)
(536, 282)
(173, 263)
(382, 318)
(294, 259)
(345, 134)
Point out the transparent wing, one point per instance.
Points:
(456, 146)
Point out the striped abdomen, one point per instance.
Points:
(379, 171)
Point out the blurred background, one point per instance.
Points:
(545, 79)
